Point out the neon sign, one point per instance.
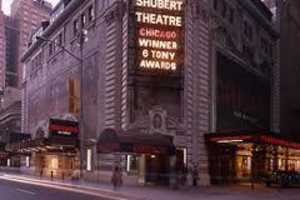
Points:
(159, 34)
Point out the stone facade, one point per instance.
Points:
(2, 48)
(239, 29)
(289, 58)
(114, 96)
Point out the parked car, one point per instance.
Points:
(283, 178)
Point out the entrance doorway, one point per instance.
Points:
(157, 169)
(57, 165)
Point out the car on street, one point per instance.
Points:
(283, 179)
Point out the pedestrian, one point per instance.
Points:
(195, 175)
(116, 178)
(41, 172)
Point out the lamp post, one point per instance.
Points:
(81, 39)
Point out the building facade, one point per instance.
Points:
(151, 91)
(2, 48)
(289, 30)
(28, 16)
(118, 93)
(25, 17)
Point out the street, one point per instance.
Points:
(22, 188)
(19, 191)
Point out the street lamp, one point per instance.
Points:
(60, 46)
(81, 39)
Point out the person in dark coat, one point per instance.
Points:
(116, 178)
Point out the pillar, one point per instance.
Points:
(142, 170)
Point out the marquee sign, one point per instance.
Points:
(63, 128)
(160, 35)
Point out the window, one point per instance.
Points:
(224, 9)
(91, 14)
(36, 65)
(59, 40)
(248, 31)
(215, 4)
(74, 96)
(132, 164)
(75, 27)
(54, 163)
(83, 20)
(50, 49)
(231, 15)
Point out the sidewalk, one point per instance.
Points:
(153, 192)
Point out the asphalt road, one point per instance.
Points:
(18, 191)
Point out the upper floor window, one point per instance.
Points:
(215, 4)
(59, 40)
(83, 20)
(266, 47)
(248, 30)
(231, 15)
(50, 48)
(224, 9)
(36, 65)
(75, 27)
(91, 13)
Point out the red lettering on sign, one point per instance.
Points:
(54, 127)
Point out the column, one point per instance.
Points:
(142, 170)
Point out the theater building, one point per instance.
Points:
(143, 94)
(152, 86)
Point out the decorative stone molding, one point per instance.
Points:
(199, 11)
(158, 118)
(158, 121)
(116, 13)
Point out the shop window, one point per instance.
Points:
(54, 163)
(132, 164)
(89, 160)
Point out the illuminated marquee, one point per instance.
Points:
(159, 34)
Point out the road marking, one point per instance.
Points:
(26, 191)
(82, 191)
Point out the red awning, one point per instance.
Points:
(263, 138)
(134, 141)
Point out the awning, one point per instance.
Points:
(62, 135)
(133, 141)
(254, 137)
(4, 155)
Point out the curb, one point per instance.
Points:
(72, 187)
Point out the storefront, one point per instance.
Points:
(55, 153)
(151, 158)
(236, 157)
